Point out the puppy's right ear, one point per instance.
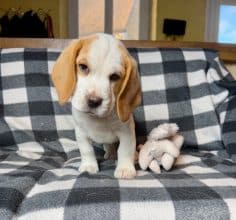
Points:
(64, 71)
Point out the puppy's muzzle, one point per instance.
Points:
(94, 101)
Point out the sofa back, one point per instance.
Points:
(179, 85)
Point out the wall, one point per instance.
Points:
(57, 10)
(193, 11)
(232, 69)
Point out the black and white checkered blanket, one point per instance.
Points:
(39, 158)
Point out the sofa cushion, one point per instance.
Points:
(178, 85)
(29, 108)
(39, 158)
(40, 186)
(183, 86)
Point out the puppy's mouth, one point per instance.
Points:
(91, 113)
(97, 114)
(101, 111)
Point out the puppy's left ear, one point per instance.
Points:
(129, 96)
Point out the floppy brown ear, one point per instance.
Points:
(129, 96)
(64, 71)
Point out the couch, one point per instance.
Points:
(185, 83)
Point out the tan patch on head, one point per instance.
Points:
(65, 68)
(82, 57)
(119, 83)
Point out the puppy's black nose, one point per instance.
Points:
(94, 101)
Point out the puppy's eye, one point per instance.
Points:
(83, 68)
(114, 77)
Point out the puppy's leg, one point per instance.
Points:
(110, 151)
(88, 157)
(126, 152)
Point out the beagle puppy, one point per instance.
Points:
(100, 77)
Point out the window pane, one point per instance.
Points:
(227, 24)
(125, 20)
(91, 16)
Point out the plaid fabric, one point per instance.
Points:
(39, 158)
(29, 110)
(186, 86)
(34, 186)
(227, 109)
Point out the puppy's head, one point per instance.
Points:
(99, 75)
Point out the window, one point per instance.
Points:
(227, 24)
(221, 21)
(92, 17)
(118, 17)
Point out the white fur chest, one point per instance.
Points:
(100, 130)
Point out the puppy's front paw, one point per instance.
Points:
(125, 171)
(89, 167)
